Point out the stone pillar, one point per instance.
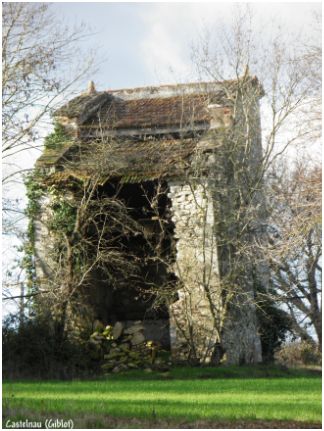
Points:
(192, 330)
(202, 327)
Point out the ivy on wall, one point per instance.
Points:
(56, 139)
(36, 190)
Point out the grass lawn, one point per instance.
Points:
(196, 396)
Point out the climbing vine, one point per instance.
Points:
(55, 139)
(63, 212)
(36, 189)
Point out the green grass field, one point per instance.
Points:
(181, 395)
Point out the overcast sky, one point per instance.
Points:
(149, 43)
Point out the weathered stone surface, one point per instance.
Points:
(124, 347)
(191, 316)
(117, 330)
(137, 338)
(135, 328)
(200, 296)
(128, 351)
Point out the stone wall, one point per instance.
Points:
(215, 315)
(192, 329)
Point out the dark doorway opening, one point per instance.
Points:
(152, 248)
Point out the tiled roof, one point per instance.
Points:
(152, 106)
(177, 110)
(157, 110)
(146, 106)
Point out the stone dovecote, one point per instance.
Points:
(184, 136)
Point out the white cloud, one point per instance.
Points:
(171, 28)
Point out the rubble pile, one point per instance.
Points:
(124, 348)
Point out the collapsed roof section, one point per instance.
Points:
(141, 133)
(127, 160)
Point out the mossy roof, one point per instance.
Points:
(150, 113)
(52, 155)
(152, 106)
(128, 160)
(147, 108)
(83, 106)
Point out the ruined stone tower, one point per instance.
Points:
(202, 143)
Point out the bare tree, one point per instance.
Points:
(36, 56)
(310, 64)
(295, 250)
(236, 181)
(41, 65)
(290, 90)
(79, 232)
(287, 66)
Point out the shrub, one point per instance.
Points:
(274, 324)
(32, 350)
(298, 353)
